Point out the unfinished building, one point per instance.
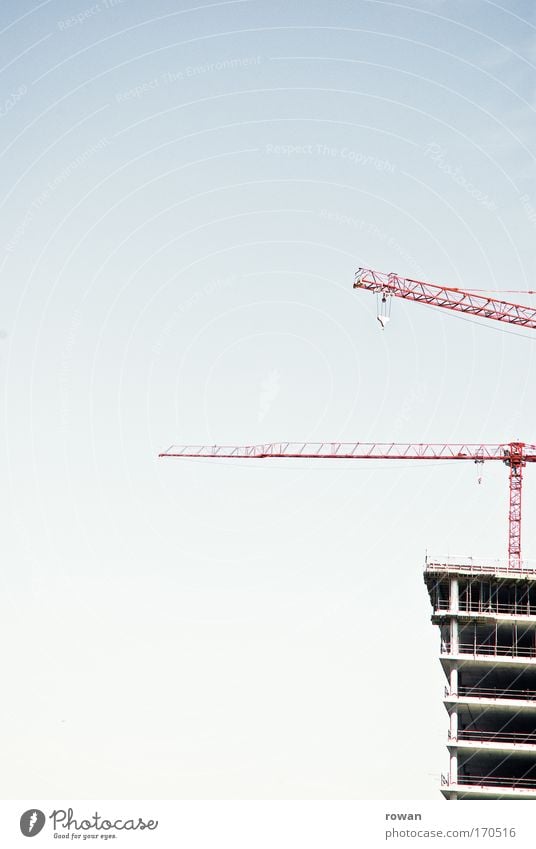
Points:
(486, 615)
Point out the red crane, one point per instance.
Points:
(515, 455)
(392, 285)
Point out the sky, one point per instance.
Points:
(187, 191)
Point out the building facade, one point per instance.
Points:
(486, 615)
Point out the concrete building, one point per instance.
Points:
(486, 614)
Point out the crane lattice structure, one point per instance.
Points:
(392, 285)
(515, 455)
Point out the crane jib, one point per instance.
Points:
(390, 284)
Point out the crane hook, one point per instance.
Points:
(383, 305)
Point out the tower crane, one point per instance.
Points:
(515, 455)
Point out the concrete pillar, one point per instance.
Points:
(454, 595)
(454, 681)
(453, 767)
(454, 724)
(454, 608)
(453, 635)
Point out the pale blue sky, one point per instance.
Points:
(187, 191)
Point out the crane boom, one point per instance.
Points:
(515, 455)
(445, 297)
(361, 451)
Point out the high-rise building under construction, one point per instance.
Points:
(486, 614)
